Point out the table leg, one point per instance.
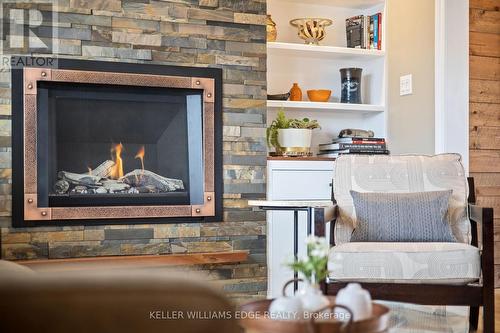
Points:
(295, 246)
(309, 220)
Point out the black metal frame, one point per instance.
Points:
(87, 65)
(472, 295)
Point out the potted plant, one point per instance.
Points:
(313, 268)
(290, 134)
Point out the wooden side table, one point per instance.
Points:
(323, 211)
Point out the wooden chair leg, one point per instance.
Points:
(489, 311)
(473, 318)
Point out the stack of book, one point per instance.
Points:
(367, 146)
(364, 31)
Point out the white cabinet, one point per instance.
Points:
(291, 180)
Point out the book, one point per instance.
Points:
(370, 43)
(355, 31)
(358, 140)
(375, 31)
(366, 33)
(339, 146)
(335, 154)
(379, 45)
(356, 151)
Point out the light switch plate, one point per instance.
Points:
(405, 85)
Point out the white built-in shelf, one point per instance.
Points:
(357, 4)
(331, 52)
(325, 106)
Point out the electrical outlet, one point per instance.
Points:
(405, 85)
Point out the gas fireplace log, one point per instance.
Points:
(79, 179)
(104, 169)
(142, 178)
(113, 185)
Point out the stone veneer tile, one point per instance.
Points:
(129, 23)
(191, 42)
(24, 251)
(210, 15)
(16, 237)
(57, 236)
(93, 234)
(172, 231)
(185, 58)
(194, 247)
(82, 249)
(223, 59)
(245, 188)
(64, 33)
(128, 233)
(150, 248)
(154, 8)
(84, 19)
(245, 271)
(244, 285)
(111, 5)
(245, 159)
(136, 38)
(208, 3)
(249, 18)
(111, 52)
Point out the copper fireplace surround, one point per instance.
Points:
(32, 212)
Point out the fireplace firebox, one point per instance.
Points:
(110, 142)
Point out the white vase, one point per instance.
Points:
(287, 307)
(356, 299)
(312, 298)
(295, 137)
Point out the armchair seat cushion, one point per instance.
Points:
(432, 263)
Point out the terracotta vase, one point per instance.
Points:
(272, 33)
(295, 93)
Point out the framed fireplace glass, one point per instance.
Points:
(101, 141)
(119, 145)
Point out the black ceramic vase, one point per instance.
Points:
(350, 79)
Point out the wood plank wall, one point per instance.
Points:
(484, 123)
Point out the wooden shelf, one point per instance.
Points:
(327, 52)
(140, 261)
(325, 106)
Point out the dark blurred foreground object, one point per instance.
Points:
(107, 301)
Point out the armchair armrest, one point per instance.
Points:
(484, 217)
(332, 225)
(480, 214)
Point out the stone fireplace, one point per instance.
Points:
(134, 143)
(170, 38)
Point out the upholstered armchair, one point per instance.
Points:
(425, 272)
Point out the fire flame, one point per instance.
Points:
(117, 169)
(140, 155)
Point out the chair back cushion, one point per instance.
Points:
(400, 174)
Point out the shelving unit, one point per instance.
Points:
(329, 52)
(317, 67)
(325, 106)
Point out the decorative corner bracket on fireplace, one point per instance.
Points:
(33, 211)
